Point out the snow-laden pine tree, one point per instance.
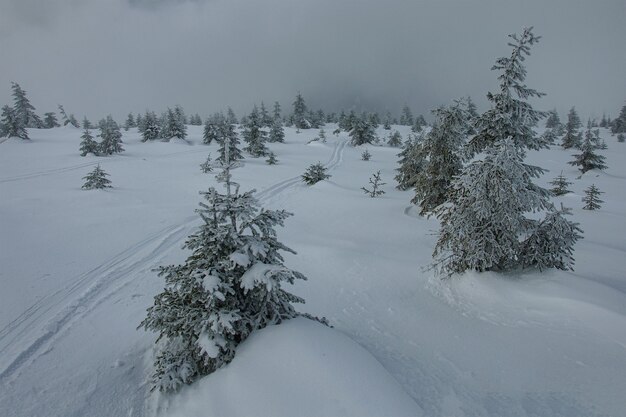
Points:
(411, 163)
(212, 127)
(277, 133)
(231, 118)
(572, 137)
(553, 120)
(139, 121)
(207, 166)
(174, 124)
(559, 185)
(111, 137)
(406, 118)
(366, 155)
(443, 156)
(10, 124)
(271, 159)
(96, 179)
(300, 112)
(24, 111)
(619, 124)
(487, 222)
(150, 127)
(254, 135)
(592, 198)
(395, 139)
(86, 123)
(50, 120)
(229, 142)
(551, 245)
(130, 121)
(376, 182)
(511, 115)
(231, 285)
(88, 144)
(266, 119)
(315, 173)
(418, 124)
(361, 131)
(588, 159)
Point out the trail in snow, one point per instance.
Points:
(30, 335)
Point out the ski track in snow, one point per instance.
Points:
(30, 335)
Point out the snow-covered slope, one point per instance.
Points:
(76, 274)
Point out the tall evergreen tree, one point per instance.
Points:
(24, 111)
(231, 118)
(619, 125)
(86, 123)
(130, 122)
(406, 118)
(231, 285)
(411, 164)
(592, 198)
(254, 135)
(11, 125)
(266, 119)
(484, 225)
(88, 144)
(212, 127)
(442, 151)
(510, 116)
(229, 143)
(572, 137)
(553, 121)
(361, 131)
(150, 127)
(50, 120)
(395, 139)
(111, 137)
(588, 159)
(387, 121)
(174, 124)
(300, 112)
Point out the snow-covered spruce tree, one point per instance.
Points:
(411, 163)
(572, 137)
(212, 127)
(588, 159)
(406, 118)
(277, 133)
(361, 131)
(442, 153)
(387, 121)
(483, 223)
(174, 124)
(88, 144)
(376, 183)
(96, 180)
(24, 111)
(592, 198)
(207, 166)
(418, 124)
(559, 185)
(510, 116)
(300, 112)
(551, 245)
(314, 174)
(130, 122)
(231, 285)
(553, 121)
(395, 139)
(50, 120)
(231, 118)
(271, 159)
(619, 125)
(322, 135)
(254, 135)
(73, 122)
(229, 142)
(366, 155)
(86, 123)
(150, 127)
(140, 122)
(266, 119)
(11, 125)
(621, 138)
(111, 137)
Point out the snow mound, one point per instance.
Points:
(299, 368)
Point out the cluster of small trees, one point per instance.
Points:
(110, 139)
(171, 124)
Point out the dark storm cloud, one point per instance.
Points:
(115, 56)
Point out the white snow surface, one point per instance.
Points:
(299, 368)
(76, 269)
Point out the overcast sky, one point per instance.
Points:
(114, 56)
